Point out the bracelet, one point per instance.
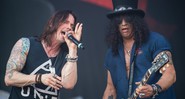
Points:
(159, 89)
(38, 78)
(156, 89)
(71, 59)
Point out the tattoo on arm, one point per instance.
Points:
(17, 57)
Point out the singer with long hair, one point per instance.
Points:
(38, 67)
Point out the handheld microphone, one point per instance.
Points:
(77, 43)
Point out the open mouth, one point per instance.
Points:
(63, 32)
(124, 29)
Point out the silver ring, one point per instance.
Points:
(141, 94)
(54, 76)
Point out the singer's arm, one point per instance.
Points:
(15, 64)
(69, 71)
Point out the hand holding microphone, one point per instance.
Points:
(77, 33)
(77, 43)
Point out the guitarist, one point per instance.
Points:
(132, 49)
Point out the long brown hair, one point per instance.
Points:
(53, 23)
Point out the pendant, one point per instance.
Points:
(128, 52)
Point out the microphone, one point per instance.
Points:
(77, 43)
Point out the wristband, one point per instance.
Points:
(159, 89)
(156, 89)
(71, 59)
(38, 78)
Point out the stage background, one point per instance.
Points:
(23, 18)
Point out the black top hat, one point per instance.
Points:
(124, 7)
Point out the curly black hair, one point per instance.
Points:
(140, 30)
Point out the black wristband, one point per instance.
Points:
(159, 89)
(156, 90)
(154, 87)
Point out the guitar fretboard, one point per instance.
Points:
(143, 82)
(146, 77)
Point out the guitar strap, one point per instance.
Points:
(131, 73)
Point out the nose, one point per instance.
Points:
(69, 27)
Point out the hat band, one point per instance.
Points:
(122, 8)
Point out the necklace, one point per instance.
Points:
(52, 67)
(128, 52)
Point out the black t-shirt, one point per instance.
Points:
(38, 62)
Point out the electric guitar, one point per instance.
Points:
(159, 62)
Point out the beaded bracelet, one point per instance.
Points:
(71, 59)
(156, 89)
(159, 89)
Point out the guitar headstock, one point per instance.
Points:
(159, 61)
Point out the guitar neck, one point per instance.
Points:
(142, 82)
(146, 77)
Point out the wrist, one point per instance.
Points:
(159, 89)
(71, 58)
(38, 78)
(156, 89)
(72, 52)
